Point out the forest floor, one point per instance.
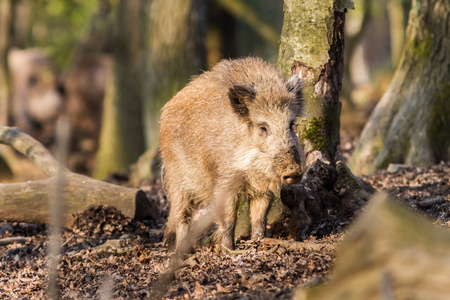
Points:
(105, 253)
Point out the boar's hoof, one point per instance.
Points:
(227, 243)
(258, 235)
(291, 178)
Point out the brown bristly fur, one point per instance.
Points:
(230, 132)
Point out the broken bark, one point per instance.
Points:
(28, 201)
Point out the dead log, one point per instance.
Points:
(389, 253)
(28, 201)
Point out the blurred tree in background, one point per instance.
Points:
(53, 25)
(5, 27)
(175, 50)
(122, 135)
(411, 123)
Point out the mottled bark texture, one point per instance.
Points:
(122, 135)
(411, 123)
(312, 45)
(175, 33)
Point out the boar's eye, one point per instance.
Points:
(263, 129)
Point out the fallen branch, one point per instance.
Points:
(431, 202)
(32, 149)
(12, 240)
(28, 201)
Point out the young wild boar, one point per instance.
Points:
(230, 133)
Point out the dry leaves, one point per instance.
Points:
(105, 252)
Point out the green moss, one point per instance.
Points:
(439, 129)
(420, 47)
(316, 132)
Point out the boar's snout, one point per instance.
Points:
(291, 177)
(292, 172)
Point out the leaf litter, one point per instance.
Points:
(107, 253)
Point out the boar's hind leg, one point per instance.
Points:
(178, 222)
(259, 207)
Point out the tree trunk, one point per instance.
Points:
(175, 52)
(122, 136)
(350, 49)
(21, 23)
(95, 37)
(396, 29)
(5, 24)
(411, 123)
(312, 46)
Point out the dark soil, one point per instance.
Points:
(107, 253)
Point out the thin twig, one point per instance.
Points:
(12, 240)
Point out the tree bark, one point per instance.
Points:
(175, 51)
(312, 45)
(351, 45)
(29, 201)
(122, 135)
(21, 23)
(411, 123)
(396, 29)
(5, 24)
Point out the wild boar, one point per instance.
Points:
(230, 133)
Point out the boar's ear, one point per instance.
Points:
(240, 94)
(295, 85)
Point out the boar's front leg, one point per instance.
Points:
(259, 207)
(226, 197)
(227, 224)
